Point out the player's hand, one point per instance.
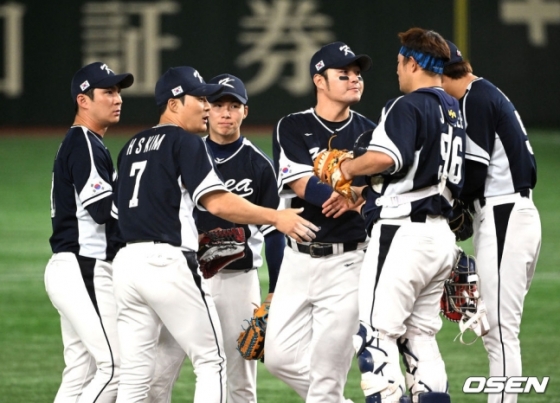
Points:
(290, 223)
(337, 204)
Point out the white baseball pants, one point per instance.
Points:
(236, 294)
(401, 283)
(157, 285)
(312, 318)
(89, 328)
(507, 241)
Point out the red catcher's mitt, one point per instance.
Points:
(218, 248)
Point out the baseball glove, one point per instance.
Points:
(461, 221)
(218, 248)
(327, 168)
(250, 342)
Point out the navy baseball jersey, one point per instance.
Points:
(297, 140)
(248, 173)
(163, 211)
(82, 186)
(423, 133)
(496, 134)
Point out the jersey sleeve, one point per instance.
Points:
(291, 159)
(480, 125)
(198, 173)
(90, 170)
(395, 134)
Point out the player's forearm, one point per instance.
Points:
(274, 252)
(372, 162)
(311, 190)
(299, 186)
(236, 209)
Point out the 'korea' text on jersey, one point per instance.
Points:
(248, 173)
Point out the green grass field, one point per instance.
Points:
(30, 343)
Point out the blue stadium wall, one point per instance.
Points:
(268, 44)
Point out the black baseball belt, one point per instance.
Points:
(318, 249)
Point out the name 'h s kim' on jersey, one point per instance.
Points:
(163, 173)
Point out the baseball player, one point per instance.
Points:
(415, 157)
(249, 173)
(165, 172)
(78, 277)
(501, 174)
(314, 311)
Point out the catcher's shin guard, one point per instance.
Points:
(376, 361)
(434, 397)
(425, 369)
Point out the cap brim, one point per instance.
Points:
(364, 61)
(122, 80)
(205, 90)
(216, 97)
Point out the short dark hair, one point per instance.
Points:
(427, 42)
(88, 93)
(163, 107)
(457, 70)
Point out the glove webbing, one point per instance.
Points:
(260, 324)
(220, 235)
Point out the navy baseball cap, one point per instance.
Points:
(183, 80)
(336, 55)
(455, 54)
(97, 75)
(231, 86)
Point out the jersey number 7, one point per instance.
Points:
(137, 167)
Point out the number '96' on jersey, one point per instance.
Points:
(423, 133)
